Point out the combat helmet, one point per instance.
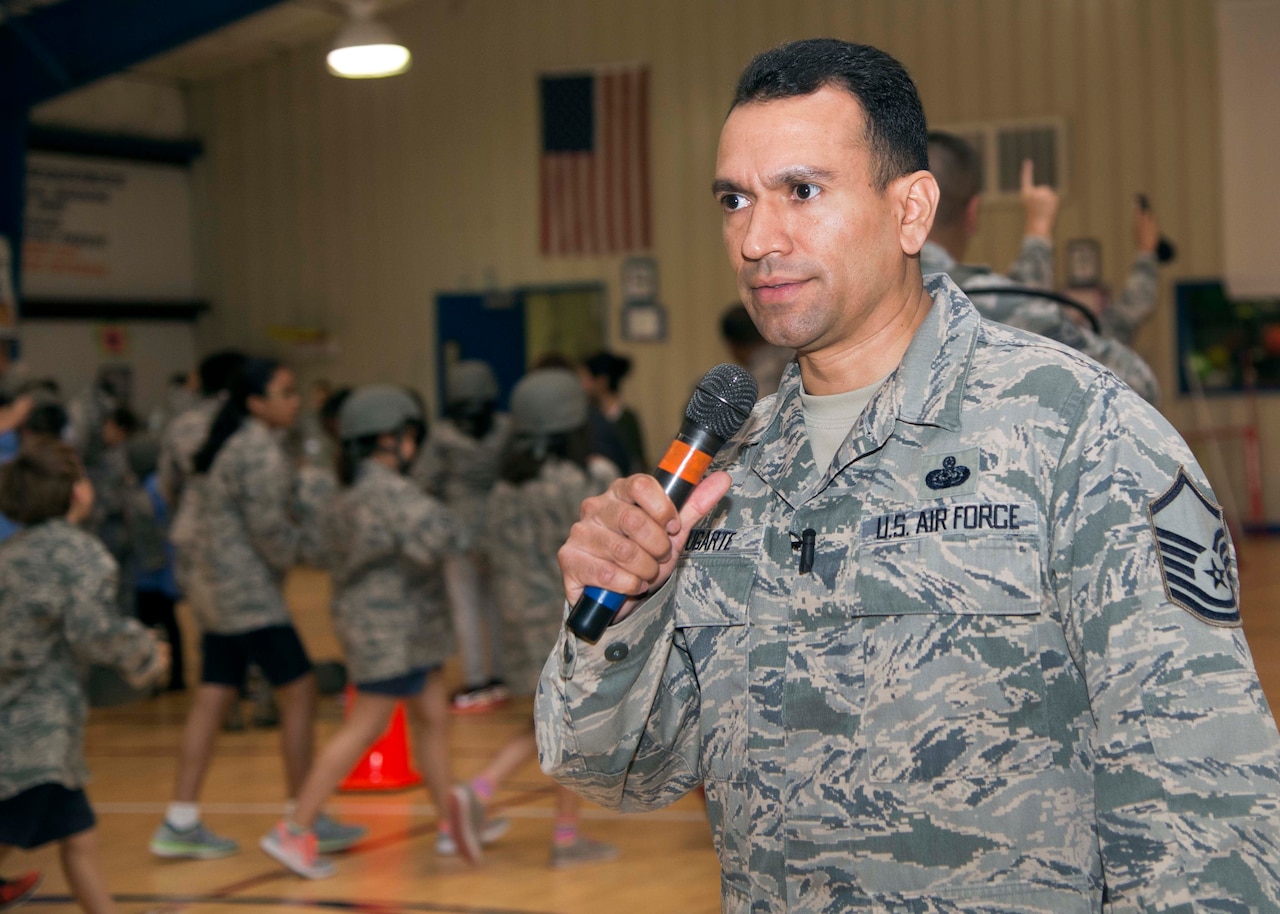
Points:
(376, 409)
(548, 401)
(470, 381)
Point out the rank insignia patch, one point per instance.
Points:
(1194, 560)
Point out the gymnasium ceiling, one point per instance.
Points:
(205, 39)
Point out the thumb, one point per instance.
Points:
(1028, 174)
(701, 500)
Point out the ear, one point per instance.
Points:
(919, 206)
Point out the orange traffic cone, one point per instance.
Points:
(386, 766)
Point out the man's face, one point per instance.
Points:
(816, 248)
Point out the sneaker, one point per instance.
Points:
(13, 892)
(298, 852)
(196, 843)
(466, 819)
(581, 851)
(333, 836)
(480, 699)
(493, 829)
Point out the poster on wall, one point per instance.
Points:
(105, 229)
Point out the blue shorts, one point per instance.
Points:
(44, 813)
(405, 685)
(276, 649)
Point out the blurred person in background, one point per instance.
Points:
(602, 376)
(748, 348)
(957, 168)
(458, 464)
(57, 615)
(386, 542)
(254, 528)
(547, 471)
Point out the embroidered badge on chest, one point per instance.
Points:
(949, 473)
(1194, 559)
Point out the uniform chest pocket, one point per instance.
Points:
(711, 610)
(955, 670)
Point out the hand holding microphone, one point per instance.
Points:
(630, 536)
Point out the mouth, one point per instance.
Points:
(777, 291)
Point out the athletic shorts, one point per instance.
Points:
(44, 813)
(405, 685)
(276, 650)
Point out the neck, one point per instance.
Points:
(873, 355)
(386, 459)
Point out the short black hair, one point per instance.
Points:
(896, 132)
(217, 370)
(48, 419)
(956, 166)
(737, 328)
(605, 364)
(124, 418)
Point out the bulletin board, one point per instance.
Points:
(1225, 339)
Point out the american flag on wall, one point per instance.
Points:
(595, 162)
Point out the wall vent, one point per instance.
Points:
(1002, 145)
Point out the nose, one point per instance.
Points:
(767, 231)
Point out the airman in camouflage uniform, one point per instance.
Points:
(954, 162)
(1011, 678)
(57, 615)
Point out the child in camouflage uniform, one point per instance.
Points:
(256, 523)
(57, 614)
(386, 541)
(546, 474)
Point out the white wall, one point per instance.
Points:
(71, 351)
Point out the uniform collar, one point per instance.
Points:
(927, 388)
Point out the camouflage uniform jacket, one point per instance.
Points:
(386, 539)
(57, 615)
(527, 524)
(179, 442)
(461, 471)
(1034, 267)
(256, 527)
(1013, 681)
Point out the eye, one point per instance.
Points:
(733, 202)
(807, 191)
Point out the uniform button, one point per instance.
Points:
(616, 651)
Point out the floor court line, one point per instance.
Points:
(513, 806)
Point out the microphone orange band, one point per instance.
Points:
(685, 462)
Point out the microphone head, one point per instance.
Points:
(722, 400)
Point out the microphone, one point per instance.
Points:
(719, 406)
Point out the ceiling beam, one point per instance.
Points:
(66, 45)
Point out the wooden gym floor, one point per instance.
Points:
(667, 863)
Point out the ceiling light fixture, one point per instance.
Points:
(365, 48)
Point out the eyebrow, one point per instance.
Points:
(799, 174)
